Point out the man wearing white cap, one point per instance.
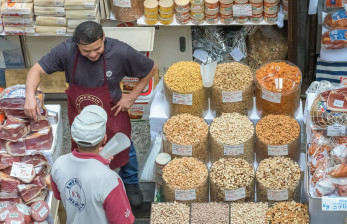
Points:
(90, 191)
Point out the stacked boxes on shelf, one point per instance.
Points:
(50, 17)
(78, 11)
(18, 17)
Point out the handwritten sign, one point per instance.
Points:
(185, 99)
(277, 195)
(182, 150)
(21, 170)
(336, 130)
(231, 97)
(233, 195)
(270, 96)
(277, 150)
(233, 150)
(185, 195)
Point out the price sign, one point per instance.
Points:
(233, 195)
(270, 96)
(122, 3)
(338, 103)
(277, 150)
(61, 31)
(277, 195)
(185, 195)
(185, 99)
(233, 150)
(43, 212)
(21, 170)
(334, 204)
(182, 150)
(242, 10)
(336, 130)
(231, 97)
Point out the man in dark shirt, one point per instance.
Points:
(94, 65)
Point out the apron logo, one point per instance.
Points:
(85, 100)
(108, 74)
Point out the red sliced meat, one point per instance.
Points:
(15, 113)
(12, 103)
(41, 123)
(16, 120)
(39, 140)
(5, 207)
(42, 196)
(8, 183)
(39, 210)
(26, 211)
(28, 191)
(15, 217)
(337, 101)
(13, 132)
(36, 159)
(7, 160)
(7, 170)
(12, 200)
(15, 148)
(324, 96)
(39, 182)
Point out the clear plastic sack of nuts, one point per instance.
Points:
(232, 135)
(185, 180)
(127, 11)
(232, 89)
(278, 135)
(277, 88)
(184, 92)
(278, 179)
(232, 179)
(186, 135)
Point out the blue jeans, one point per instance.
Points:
(129, 171)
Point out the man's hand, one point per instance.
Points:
(124, 103)
(31, 108)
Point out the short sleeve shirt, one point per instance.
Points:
(121, 60)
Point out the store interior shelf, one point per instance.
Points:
(141, 22)
(37, 35)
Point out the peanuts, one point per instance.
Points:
(277, 78)
(186, 129)
(210, 213)
(185, 174)
(232, 174)
(278, 173)
(185, 78)
(231, 77)
(163, 213)
(277, 135)
(248, 213)
(232, 130)
(288, 212)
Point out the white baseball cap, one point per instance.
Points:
(89, 127)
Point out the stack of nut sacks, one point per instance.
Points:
(18, 17)
(78, 11)
(50, 17)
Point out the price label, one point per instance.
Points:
(4, 214)
(43, 212)
(185, 99)
(185, 195)
(89, 4)
(122, 3)
(231, 97)
(277, 150)
(61, 31)
(277, 195)
(242, 10)
(270, 96)
(21, 170)
(233, 195)
(336, 130)
(61, 21)
(182, 150)
(233, 150)
(334, 204)
(338, 103)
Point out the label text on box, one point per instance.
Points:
(233, 150)
(277, 150)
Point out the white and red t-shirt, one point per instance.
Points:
(90, 191)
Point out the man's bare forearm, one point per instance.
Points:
(33, 79)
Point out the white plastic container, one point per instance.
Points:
(117, 143)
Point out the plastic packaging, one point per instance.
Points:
(127, 11)
(278, 135)
(183, 89)
(278, 179)
(117, 143)
(232, 180)
(232, 89)
(185, 180)
(150, 6)
(277, 88)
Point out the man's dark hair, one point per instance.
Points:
(88, 32)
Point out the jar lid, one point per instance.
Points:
(211, 1)
(278, 76)
(163, 158)
(150, 4)
(181, 2)
(166, 3)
